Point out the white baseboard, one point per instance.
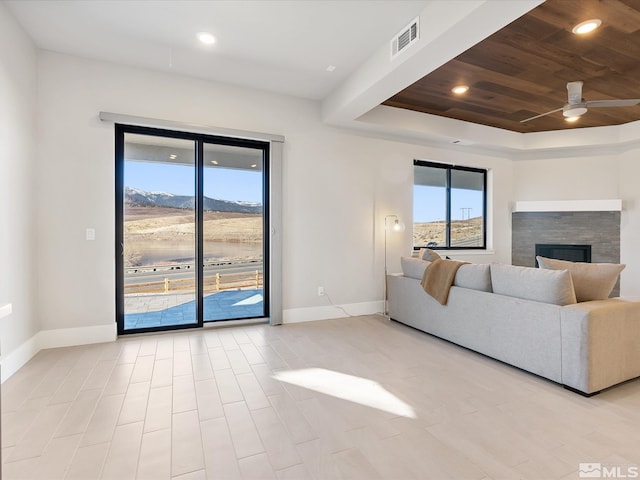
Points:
(68, 337)
(12, 362)
(63, 337)
(310, 314)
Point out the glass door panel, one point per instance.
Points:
(467, 207)
(429, 207)
(159, 232)
(233, 226)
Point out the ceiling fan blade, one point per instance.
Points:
(613, 103)
(574, 90)
(541, 115)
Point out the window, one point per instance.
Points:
(449, 206)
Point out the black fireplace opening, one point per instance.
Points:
(572, 253)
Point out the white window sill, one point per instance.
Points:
(468, 252)
(444, 252)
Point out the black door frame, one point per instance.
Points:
(199, 141)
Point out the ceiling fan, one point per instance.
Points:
(577, 106)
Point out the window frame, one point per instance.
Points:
(449, 168)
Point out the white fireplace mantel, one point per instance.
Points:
(614, 205)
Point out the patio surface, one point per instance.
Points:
(159, 310)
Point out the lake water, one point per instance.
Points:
(155, 253)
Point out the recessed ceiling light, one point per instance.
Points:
(331, 68)
(206, 38)
(254, 165)
(173, 156)
(586, 26)
(215, 162)
(460, 89)
(571, 119)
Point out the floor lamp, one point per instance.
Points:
(396, 226)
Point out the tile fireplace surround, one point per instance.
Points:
(600, 229)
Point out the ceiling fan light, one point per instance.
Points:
(586, 26)
(571, 119)
(574, 111)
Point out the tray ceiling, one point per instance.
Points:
(522, 70)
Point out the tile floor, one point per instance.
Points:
(157, 310)
(356, 398)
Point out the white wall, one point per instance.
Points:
(575, 178)
(17, 172)
(591, 178)
(628, 175)
(337, 188)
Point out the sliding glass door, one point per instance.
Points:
(190, 223)
(233, 232)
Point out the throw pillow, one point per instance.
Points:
(428, 254)
(546, 286)
(592, 281)
(474, 276)
(413, 267)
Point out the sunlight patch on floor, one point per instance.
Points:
(253, 300)
(347, 387)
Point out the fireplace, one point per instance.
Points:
(572, 253)
(600, 229)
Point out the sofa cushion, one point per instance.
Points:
(413, 267)
(546, 286)
(591, 281)
(474, 276)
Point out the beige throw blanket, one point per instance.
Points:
(438, 278)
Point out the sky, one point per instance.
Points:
(219, 183)
(429, 203)
(244, 185)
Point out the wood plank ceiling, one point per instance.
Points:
(522, 70)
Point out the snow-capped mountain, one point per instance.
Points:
(139, 198)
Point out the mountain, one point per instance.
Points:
(139, 198)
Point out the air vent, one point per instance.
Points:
(405, 38)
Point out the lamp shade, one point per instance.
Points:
(397, 226)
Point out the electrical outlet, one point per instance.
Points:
(320, 291)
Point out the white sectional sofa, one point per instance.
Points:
(528, 318)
